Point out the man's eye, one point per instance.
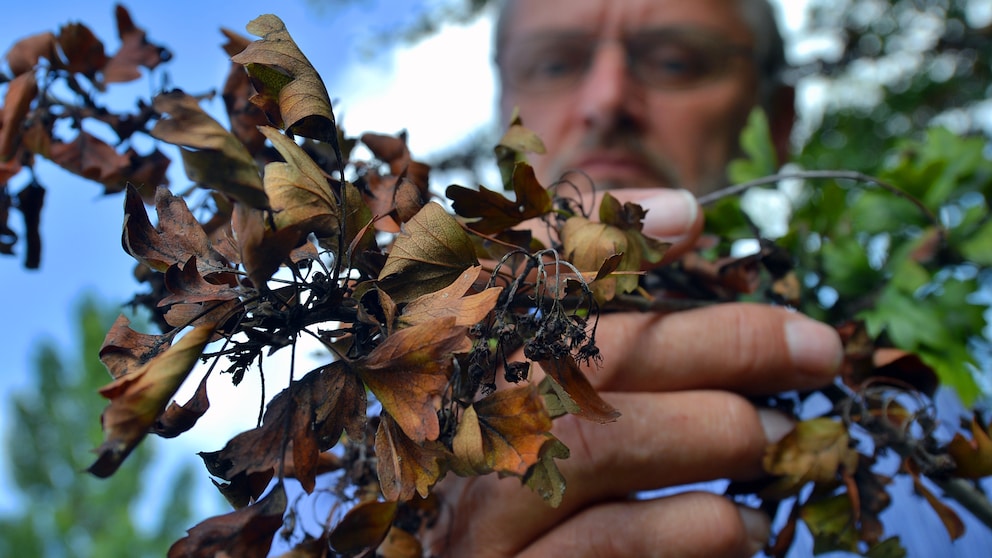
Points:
(554, 67)
(674, 65)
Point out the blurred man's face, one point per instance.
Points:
(634, 93)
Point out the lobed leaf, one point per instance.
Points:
(429, 254)
(503, 432)
(409, 371)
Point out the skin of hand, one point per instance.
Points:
(685, 419)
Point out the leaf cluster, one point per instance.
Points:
(454, 341)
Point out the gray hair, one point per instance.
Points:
(769, 48)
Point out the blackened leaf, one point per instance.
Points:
(30, 201)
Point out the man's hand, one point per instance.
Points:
(680, 381)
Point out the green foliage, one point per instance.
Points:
(65, 513)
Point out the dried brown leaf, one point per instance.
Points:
(21, 91)
(83, 50)
(179, 238)
(503, 432)
(213, 157)
(409, 371)
(575, 392)
(493, 211)
(298, 192)
(314, 411)
(405, 467)
(125, 350)
(972, 458)
(245, 533)
(363, 527)
(817, 450)
(289, 90)
(177, 418)
(451, 301)
(24, 55)
(137, 399)
(429, 254)
(136, 50)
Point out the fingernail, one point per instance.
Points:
(670, 214)
(775, 424)
(758, 528)
(814, 347)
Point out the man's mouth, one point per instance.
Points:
(606, 169)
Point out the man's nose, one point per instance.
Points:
(608, 93)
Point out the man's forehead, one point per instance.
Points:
(528, 17)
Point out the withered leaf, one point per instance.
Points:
(136, 50)
(188, 286)
(21, 91)
(429, 254)
(952, 522)
(181, 236)
(92, 158)
(400, 544)
(8, 237)
(545, 478)
(298, 192)
(83, 50)
(817, 450)
(245, 533)
(972, 458)
(575, 392)
(263, 249)
(409, 370)
(831, 523)
(30, 201)
(405, 467)
(138, 398)
(588, 244)
(451, 301)
(513, 148)
(213, 157)
(503, 432)
(244, 116)
(177, 418)
(317, 409)
(363, 527)
(125, 350)
(289, 89)
(495, 212)
(24, 55)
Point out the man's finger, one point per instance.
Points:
(687, 525)
(747, 348)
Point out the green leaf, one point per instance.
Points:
(978, 248)
(756, 141)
